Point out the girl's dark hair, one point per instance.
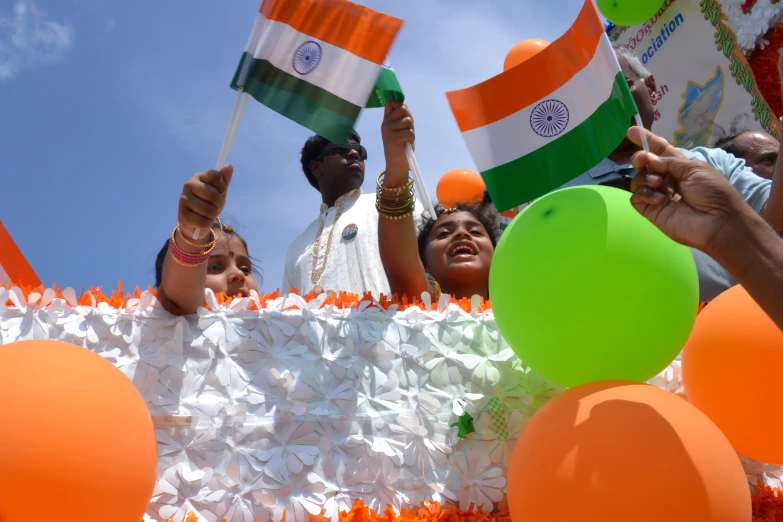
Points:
(483, 211)
(226, 230)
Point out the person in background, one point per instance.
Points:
(694, 204)
(763, 195)
(338, 251)
(758, 149)
(451, 252)
(185, 267)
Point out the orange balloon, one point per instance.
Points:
(618, 451)
(731, 369)
(77, 441)
(460, 185)
(523, 51)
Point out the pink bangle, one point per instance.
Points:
(185, 259)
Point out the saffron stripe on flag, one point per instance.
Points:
(278, 43)
(355, 28)
(310, 106)
(490, 101)
(564, 158)
(507, 139)
(13, 264)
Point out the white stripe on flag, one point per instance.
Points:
(513, 137)
(277, 42)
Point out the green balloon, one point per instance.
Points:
(629, 12)
(585, 289)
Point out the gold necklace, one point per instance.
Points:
(340, 206)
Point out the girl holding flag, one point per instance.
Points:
(452, 251)
(185, 267)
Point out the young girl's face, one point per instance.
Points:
(458, 248)
(229, 269)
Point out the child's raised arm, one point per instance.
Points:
(181, 289)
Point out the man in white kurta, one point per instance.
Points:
(339, 249)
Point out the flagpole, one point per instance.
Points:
(645, 145)
(418, 180)
(228, 138)
(222, 160)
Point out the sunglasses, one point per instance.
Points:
(336, 150)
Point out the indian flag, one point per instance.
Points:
(546, 121)
(14, 268)
(316, 61)
(387, 87)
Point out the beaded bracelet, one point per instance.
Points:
(185, 259)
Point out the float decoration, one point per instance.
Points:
(419, 371)
(764, 63)
(750, 20)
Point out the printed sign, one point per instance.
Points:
(703, 80)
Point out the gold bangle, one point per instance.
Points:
(398, 212)
(385, 206)
(211, 245)
(396, 201)
(382, 176)
(395, 218)
(202, 245)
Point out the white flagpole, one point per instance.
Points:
(418, 180)
(228, 138)
(645, 145)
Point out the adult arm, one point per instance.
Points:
(773, 209)
(757, 192)
(695, 205)
(181, 290)
(398, 238)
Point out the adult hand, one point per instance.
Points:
(688, 200)
(658, 146)
(202, 200)
(397, 130)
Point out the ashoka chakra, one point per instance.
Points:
(307, 57)
(549, 118)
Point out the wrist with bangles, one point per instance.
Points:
(394, 203)
(193, 260)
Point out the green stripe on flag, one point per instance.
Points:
(566, 157)
(386, 88)
(308, 105)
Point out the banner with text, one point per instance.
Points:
(703, 80)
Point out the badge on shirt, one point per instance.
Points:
(350, 232)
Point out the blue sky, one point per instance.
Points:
(107, 107)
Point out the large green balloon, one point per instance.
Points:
(585, 289)
(629, 12)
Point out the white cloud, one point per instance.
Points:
(28, 37)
